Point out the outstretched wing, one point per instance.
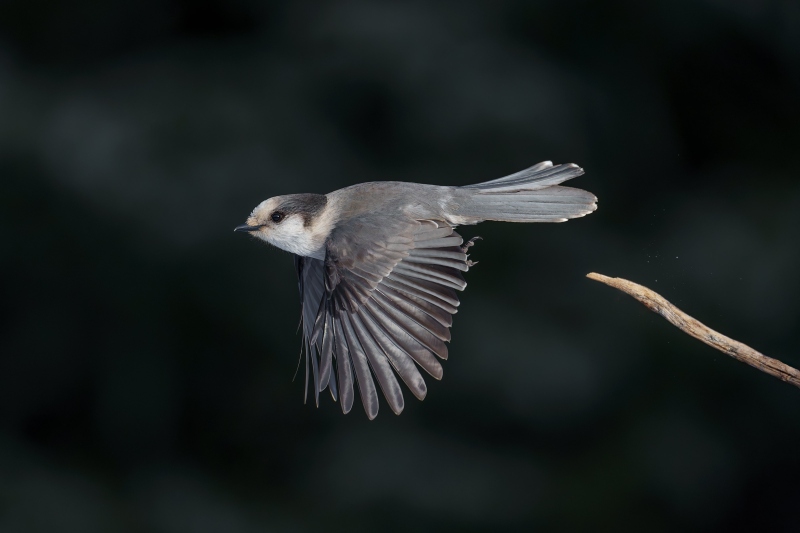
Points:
(380, 304)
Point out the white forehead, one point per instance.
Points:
(267, 206)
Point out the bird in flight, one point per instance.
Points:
(379, 264)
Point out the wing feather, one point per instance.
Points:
(344, 368)
(426, 234)
(369, 396)
(443, 317)
(447, 307)
(402, 363)
(440, 261)
(379, 365)
(425, 337)
(415, 314)
(444, 253)
(406, 342)
(436, 273)
(376, 309)
(326, 352)
(441, 243)
(434, 289)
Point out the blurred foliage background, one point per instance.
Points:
(147, 352)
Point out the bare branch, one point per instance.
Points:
(657, 303)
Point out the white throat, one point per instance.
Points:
(292, 235)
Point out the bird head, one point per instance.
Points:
(289, 222)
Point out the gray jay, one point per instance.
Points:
(379, 264)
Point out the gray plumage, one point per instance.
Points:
(379, 266)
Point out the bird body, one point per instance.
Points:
(379, 265)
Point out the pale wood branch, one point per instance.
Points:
(657, 303)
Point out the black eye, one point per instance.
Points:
(277, 216)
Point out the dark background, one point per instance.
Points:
(147, 351)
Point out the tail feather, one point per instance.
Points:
(539, 176)
(531, 195)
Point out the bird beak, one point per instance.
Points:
(245, 227)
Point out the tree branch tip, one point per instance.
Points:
(597, 277)
(693, 327)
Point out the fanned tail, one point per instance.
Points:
(531, 195)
